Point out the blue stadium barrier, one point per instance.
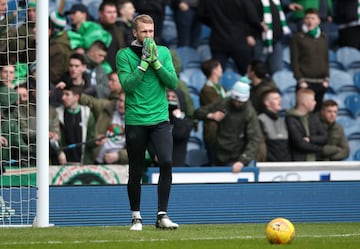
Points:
(210, 203)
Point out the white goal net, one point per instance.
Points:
(18, 130)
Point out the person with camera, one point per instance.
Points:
(145, 71)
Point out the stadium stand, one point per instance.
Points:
(352, 103)
(196, 157)
(347, 55)
(189, 57)
(341, 81)
(285, 81)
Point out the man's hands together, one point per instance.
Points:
(149, 55)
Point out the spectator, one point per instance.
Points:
(110, 123)
(77, 76)
(107, 18)
(181, 127)
(145, 71)
(13, 148)
(77, 127)
(325, 8)
(125, 17)
(238, 133)
(8, 95)
(59, 47)
(337, 147)
(27, 32)
(7, 76)
(78, 15)
(155, 9)
(274, 128)
(306, 134)
(10, 46)
(94, 58)
(269, 46)
(211, 92)
(27, 121)
(187, 22)
(348, 19)
(261, 82)
(233, 24)
(114, 83)
(309, 53)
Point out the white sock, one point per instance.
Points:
(161, 213)
(135, 214)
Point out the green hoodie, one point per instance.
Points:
(146, 102)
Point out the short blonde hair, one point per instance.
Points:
(302, 94)
(142, 18)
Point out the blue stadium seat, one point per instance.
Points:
(357, 80)
(93, 8)
(196, 100)
(205, 34)
(288, 101)
(349, 124)
(196, 158)
(347, 55)
(205, 52)
(190, 57)
(228, 79)
(285, 81)
(169, 33)
(352, 103)
(353, 68)
(195, 143)
(354, 145)
(341, 81)
(197, 80)
(357, 155)
(286, 58)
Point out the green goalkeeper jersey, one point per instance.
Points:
(146, 102)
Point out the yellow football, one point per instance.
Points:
(280, 231)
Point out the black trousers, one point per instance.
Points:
(137, 140)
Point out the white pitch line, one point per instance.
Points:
(57, 242)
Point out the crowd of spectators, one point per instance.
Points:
(239, 125)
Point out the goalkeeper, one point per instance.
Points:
(145, 71)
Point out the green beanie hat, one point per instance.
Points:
(32, 4)
(58, 20)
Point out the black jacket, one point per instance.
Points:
(298, 147)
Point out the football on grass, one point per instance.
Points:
(280, 231)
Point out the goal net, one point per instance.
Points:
(19, 140)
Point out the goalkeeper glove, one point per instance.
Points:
(154, 56)
(146, 55)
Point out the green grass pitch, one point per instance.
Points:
(308, 235)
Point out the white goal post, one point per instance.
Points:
(42, 124)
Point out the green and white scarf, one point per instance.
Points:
(267, 18)
(314, 33)
(217, 87)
